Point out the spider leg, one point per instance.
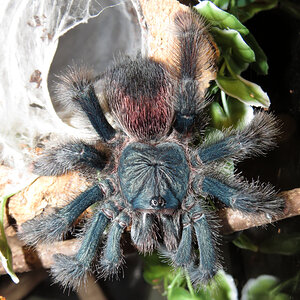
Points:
(208, 258)
(70, 271)
(76, 88)
(195, 55)
(112, 254)
(69, 157)
(194, 221)
(248, 197)
(184, 256)
(52, 227)
(255, 139)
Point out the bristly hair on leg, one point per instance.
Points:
(52, 227)
(253, 140)
(71, 156)
(68, 271)
(193, 64)
(236, 192)
(112, 258)
(69, 83)
(37, 230)
(76, 89)
(194, 52)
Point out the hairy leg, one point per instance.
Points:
(248, 197)
(112, 257)
(76, 89)
(51, 227)
(184, 257)
(194, 222)
(208, 258)
(71, 156)
(194, 65)
(253, 140)
(71, 271)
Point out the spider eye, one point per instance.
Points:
(154, 202)
(157, 202)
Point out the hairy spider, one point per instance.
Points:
(153, 178)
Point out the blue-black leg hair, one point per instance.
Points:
(184, 256)
(71, 271)
(53, 226)
(253, 140)
(239, 194)
(208, 263)
(195, 224)
(76, 88)
(194, 66)
(112, 257)
(143, 231)
(67, 157)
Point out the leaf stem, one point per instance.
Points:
(172, 284)
(224, 103)
(3, 201)
(189, 285)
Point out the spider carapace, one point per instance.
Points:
(147, 175)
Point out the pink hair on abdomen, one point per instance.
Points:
(144, 117)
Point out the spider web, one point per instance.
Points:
(29, 36)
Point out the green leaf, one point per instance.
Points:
(218, 117)
(260, 65)
(180, 293)
(233, 113)
(262, 287)
(5, 252)
(221, 288)
(220, 18)
(155, 274)
(244, 242)
(232, 39)
(243, 90)
(213, 89)
(6, 260)
(236, 65)
(223, 4)
(248, 11)
(284, 244)
(239, 113)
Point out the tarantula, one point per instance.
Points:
(154, 179)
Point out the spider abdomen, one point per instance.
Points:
(154, 177)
